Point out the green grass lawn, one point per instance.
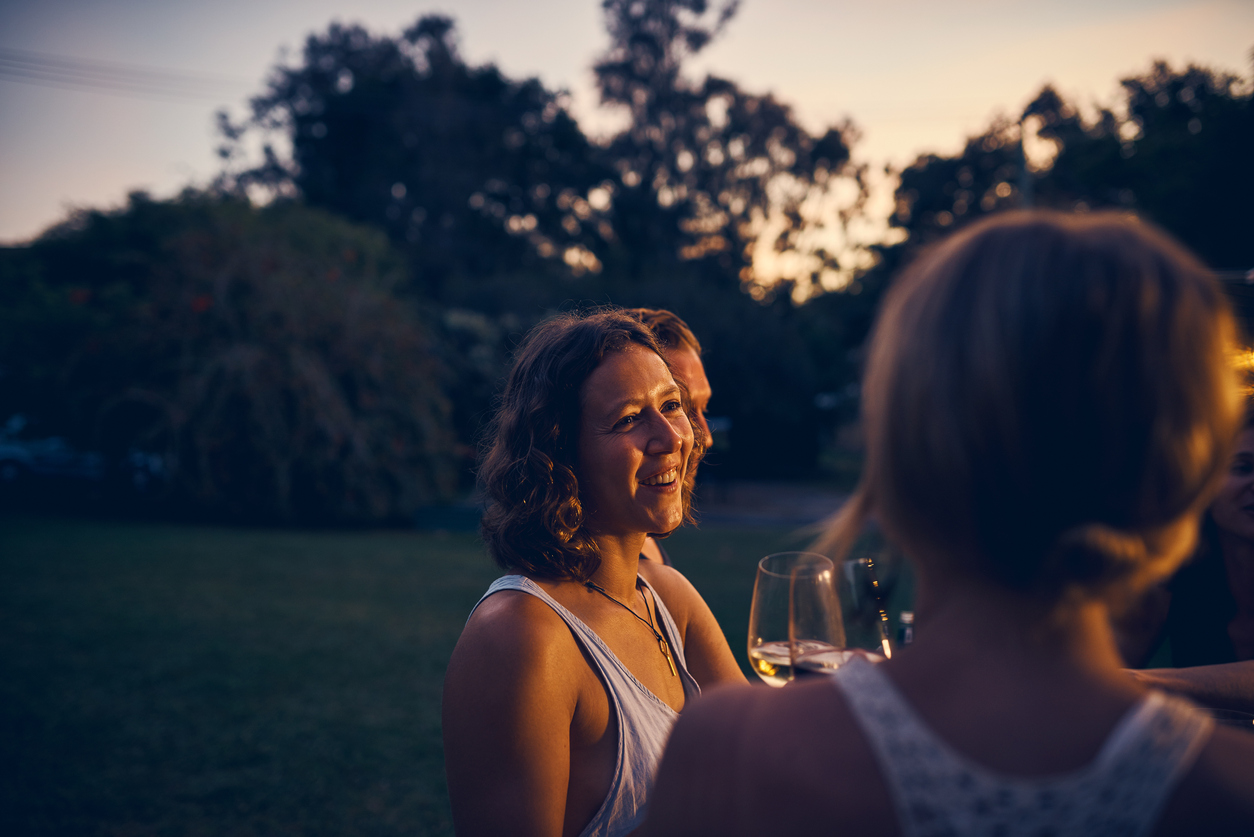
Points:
(171, 680)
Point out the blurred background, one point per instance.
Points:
(264, 265)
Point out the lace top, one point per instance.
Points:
(644, 719)
(937, 791)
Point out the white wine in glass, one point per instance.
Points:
(795, 614)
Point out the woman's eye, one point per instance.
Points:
(672, 406)
(1241, 467)
(626, 421)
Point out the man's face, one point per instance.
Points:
(691, 373)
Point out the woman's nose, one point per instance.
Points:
(665, 436)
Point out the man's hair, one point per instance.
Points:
(672, 333)
(534, 522)
(1047, 397)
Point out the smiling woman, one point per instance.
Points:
(635, 443)
(571, 670)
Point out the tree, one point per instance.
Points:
(708, 174)
(481, 179)
(937, 194)
(262, 354)
(506, 211)
(1176, 152)
(723, 209)
(1187, 164)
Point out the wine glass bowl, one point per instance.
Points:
(795, 614)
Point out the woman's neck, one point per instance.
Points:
(620, 562)
(996, 623)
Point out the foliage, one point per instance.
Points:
(1176, 151)
(506, 211)
(937, 194)
(496, 194)
(712, 184)
(484, 182)
(708, 174)
(262, 354)
(482, 179)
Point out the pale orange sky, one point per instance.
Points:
(914, 75)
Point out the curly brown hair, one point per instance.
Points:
(534, 522)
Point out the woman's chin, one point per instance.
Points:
(666, 525)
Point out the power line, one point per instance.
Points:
(26, 67)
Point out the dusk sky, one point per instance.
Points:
(913, 75)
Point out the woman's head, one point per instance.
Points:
(542, 514)
(1048, 404)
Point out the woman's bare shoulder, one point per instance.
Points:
(809, 711)
(786, 728)
(738, 747)
(512, 634)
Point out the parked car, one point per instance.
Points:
(51, 457)
(52, 470)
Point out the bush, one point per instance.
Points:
(261, 353)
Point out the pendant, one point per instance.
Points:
(666, 652)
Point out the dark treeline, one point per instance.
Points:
(331, 356)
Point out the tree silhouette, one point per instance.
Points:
(1176, 152)
(506, 210)
(475, 175)
(705, 170)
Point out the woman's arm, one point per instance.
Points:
(509, 699)
(709, 658)
(1223, 686)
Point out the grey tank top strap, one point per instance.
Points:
(937, 791)
(644, 719)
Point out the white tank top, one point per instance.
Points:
(937, 791)
(644, 720)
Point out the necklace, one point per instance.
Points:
(661, 640)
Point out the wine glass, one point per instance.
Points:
(795, 614)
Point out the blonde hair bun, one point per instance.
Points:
(1046, 394)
